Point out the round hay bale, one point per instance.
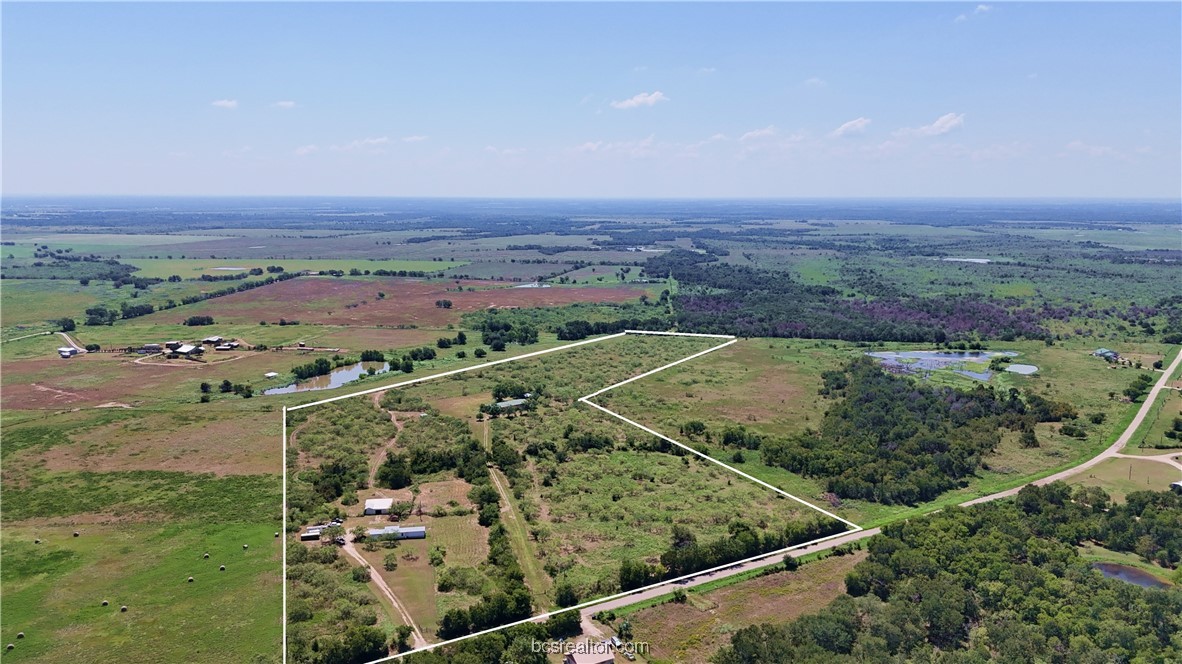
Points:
(222, 568)
(190, 579)
(36, 541)
(11, 646)
(76, 533)
(245, 546)
(205, 556)
(105, 602)
(20, 635)
(123, 609)
(276, 533)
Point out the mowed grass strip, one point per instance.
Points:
(53, 592)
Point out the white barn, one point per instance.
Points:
(378, 505)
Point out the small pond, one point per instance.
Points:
(336, 378)
(1130, 575)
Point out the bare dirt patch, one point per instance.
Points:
(332, 301)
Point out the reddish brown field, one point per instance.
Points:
(333, 301)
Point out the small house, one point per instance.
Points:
(67, 352)
(511, 404)
(1109, 355)
(399, 532)
(378, 505)
(152, 348)
(312, 533)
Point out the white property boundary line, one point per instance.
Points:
(587, 400)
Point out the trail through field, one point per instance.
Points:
(27, 336)
(73, 344)
(380, 455)
(1169, 458)
(535, 576)
(380, 583)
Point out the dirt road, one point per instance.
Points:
(380, 583)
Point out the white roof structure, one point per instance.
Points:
(271, 374)
(379, 503)
(185, 349)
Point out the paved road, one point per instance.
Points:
(1113, 451)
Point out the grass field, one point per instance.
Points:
(1120, 477)
(191, 268)
(53, 592)
(692, 632)
(1151, 435)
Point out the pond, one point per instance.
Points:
(1131, 575)
(912, 361)
(336, 378)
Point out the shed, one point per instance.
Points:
(153, 348)
(378, 505)
(188, 349)
(311, 534)
(212, 340)
(67, 351)
(223, 347)
(510, 404)
(271, 374)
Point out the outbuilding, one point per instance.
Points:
(212, 340)
(399, 532)
(67, 351)
(311, 534)
(271, 374)
(378, 505)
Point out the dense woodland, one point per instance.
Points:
(997, 582)
(890, 439)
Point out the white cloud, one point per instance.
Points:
(371, 144)
(961, 18)
(642, 99)
(943, 124)
(284, 104)
(229, 104)
(414, 139)
(306, 150)
(756, 134)
(634, 149)
(982, 9)
(1078, 146)
(504, 152)
(855, 126)
(815, 82)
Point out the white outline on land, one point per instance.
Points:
(854, 528)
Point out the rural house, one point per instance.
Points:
(399, 532)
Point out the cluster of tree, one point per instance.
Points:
(135, 310)
(443, 304)
(373, 356)
(508, 601)
(1139, 386)
(198, 320)
(321, 366)
(997, 582)
(421, 354)
(497, 333)
(460, 339)
(101, 315)
(139, 283)
(687, 555)
(240, 288)
(400, 273)
(236, 276)
(891, 440)
(581, 329)
(549, 250)
(747, 301)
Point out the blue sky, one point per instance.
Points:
(594, 100)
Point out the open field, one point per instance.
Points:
(693, 631)
(53, 592)
(1151, 436)
(192, 268)
(1120, 477)
(407, 302)
(717, 389)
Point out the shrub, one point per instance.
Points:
(360, 573)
